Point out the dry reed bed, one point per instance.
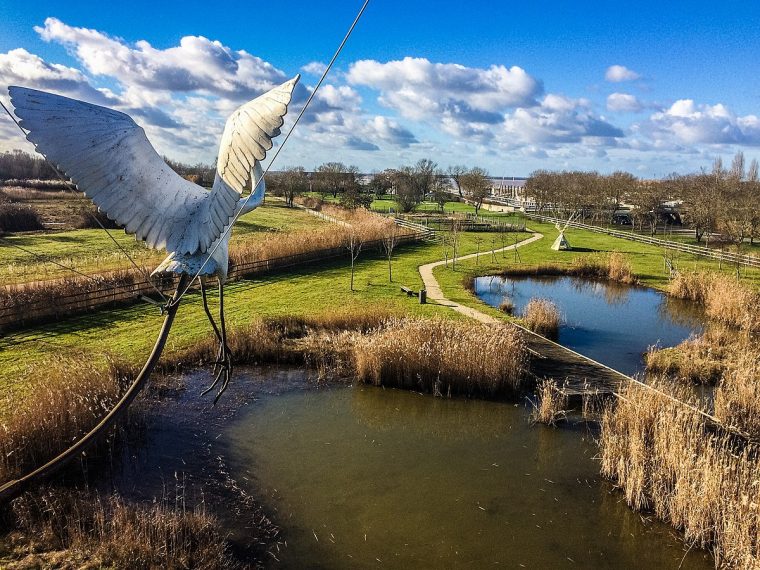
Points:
(613, 266)
(76, 394)
(67, 529)
(701, 359)
(725, 299)
(542, 317)
(551, 403)
(665, 461)
(443, 357)
(737, 398)
(367, 228)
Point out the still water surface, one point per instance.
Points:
(612, 323)
(369, 478)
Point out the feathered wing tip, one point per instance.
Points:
(249, 133)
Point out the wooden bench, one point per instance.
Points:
(408, 291)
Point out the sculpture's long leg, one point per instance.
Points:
(227, 351)
(225, 361)
(219, 352)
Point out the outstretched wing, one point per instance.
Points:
(248, 134)
(111, 160)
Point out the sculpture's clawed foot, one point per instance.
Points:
(222, 372)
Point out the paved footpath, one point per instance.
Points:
(434, 289)
(550, 360)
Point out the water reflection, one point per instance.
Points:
(364, 477)
(609, 322)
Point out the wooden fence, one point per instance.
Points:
(94, 296)
(722, 256)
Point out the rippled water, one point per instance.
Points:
(609, 322)
(365, 478)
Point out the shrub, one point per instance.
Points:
(542, 317)
(19, 218)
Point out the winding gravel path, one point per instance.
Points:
(434, 289)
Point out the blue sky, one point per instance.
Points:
(647, 87)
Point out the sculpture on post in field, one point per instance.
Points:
(561, 243)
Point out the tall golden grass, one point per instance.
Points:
(737, 398)
(542, 317)
(61, 528)
(666, 461)
(443, 357)
(725, 299)
(366, 226)
(76, 394)
(551, 403)
(699, 359)
(613, 266)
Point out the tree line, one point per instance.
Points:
(408, 185)
(721, 200)
(19, 165)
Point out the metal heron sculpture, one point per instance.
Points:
(108, 156)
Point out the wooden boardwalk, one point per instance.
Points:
(578, 373)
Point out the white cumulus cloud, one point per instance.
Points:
(691, 123)
(558, 119)
(197, 64)
(417, 87)
(620, 73)
(623, 103)
(314, 68)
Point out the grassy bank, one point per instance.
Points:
(92, 251)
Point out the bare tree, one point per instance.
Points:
(406, 196)
(752, 174)
(456, 172)
(737, 166)
(701, 195)
(476, 185)
(389, 243)
(381, 183)
(334, 177)
(289, 183)
(354, 247)
(441, 191)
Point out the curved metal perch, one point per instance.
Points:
(13, 489)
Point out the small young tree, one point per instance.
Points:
(390, 239)
(354, 247)
(454, 240)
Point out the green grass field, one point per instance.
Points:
(129, 332)
(91, 251)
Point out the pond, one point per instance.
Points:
(611, 323)
(364, 477)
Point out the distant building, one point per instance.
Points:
(508, 187)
